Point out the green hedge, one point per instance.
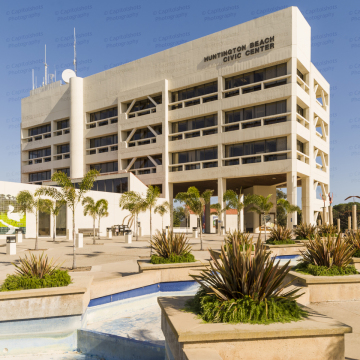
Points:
(245, 310)
(357, 254)
(172, 259)
(280, 242)
(315, 270)
(20, 282)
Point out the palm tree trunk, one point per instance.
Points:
(238, 220)
(94, 241)
(136, 227)
(37, 229)
(162, 223)
(150, 230)
(265, 226)
(73, 231)
(201, 244)
(54, 227)
(99, 229)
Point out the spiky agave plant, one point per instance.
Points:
(245, 288)
(243, 239)
(280, 235)
(353, 239)
(172, 246)
(304, 231)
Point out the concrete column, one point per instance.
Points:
(291, 182)
(76, 127)
(170, 187)
(242, 214)
(165, 161)
(331, 221)
(338, 225)
(354, 218)
(306, 201)
(349, 222)
(207, 219)
(221, 191)
(324, 215)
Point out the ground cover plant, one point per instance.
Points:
(353, 238)
(35, 273)
(170, 248)
(326, 257)
(241, 288)
(279, 236)
(304, 231)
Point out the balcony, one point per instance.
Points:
(302, 84)
(37, 137)
(39, 160)
(141, 112)
(103, 122)
(205, 164)
(304, 122)
(256, 158)
(102, 149)
(62, 156)
(143, 171)
(193, 133)
(193, 101)
(61, 132)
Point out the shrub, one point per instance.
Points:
(24, 282)
(314, 270)
(172, 259)
(304, 231)
(353, 239)
(245, 288)
(171, 247)
(243, 239)
(326, 230)
(280, 235)
(328, 252)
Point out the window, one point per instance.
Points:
(274, 108)
(300, 146)
(195, 155)
(145, 133)
(104, 141)
(195, 91)
(145, 162)
(39, 130)
(300, 74)
(299, 110)
(119, 185)
(63, 124)
(251, 160)
(194, 124)
(65, 171)
(61, 149)
(145, 104)
(275, 157)
(104, 114)
(255, 76)
(105, 167)
(40, 153)
(40, 176)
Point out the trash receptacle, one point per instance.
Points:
(11, 245)
(195, 232)
(166, 231)
(222, 230)
(18, 235)
(109, 233)
(79, 240)
(128, 237)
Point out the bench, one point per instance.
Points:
(89, 231)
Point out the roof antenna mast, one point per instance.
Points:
(75, 65)
(45, 67)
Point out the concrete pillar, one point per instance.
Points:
(349, 223)
(319, 222)
(307, 210)
(291, 184)
(76, 127)
(170, 187)
(354, 218)
(324, 216)
(242, 214)
(338, 225)
(221, 191)
(165, 155)
(331, 221)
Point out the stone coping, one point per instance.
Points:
(145, 265)
(283, 246)
(311, 279)
(80, 285)
(189, 329)
(355, 260)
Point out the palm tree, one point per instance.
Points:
(52, 208)
(233, 201)
(70, 195)
(260, 205)
(102, 206)
(32, 204)
(162, 210)
(151, 197)
(285, 204)
(90, 209)
(217, 212)
(134, 203)
(195, 202)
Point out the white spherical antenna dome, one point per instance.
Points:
(67, 74)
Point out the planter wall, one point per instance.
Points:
(356, 263)
(286, 249)
(315, 338)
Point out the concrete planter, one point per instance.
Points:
(218, 252)
(356, 263)
(286, 249)
(189, 338)
(172, 272)
(327, 288)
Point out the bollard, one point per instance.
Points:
(354, 218)
(11, 245)
(349, 223)
(109, 233)
(338, 225)
(18, 234)
(331, 220)
(79, 240)
(195, 232)
(324, 215)
(223, 230)
(128, 237)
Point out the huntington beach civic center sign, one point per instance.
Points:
(235, 53)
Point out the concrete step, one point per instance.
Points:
(202, 354)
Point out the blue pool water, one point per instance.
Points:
(294, 259)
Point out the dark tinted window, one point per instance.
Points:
(103, 114)
(39, 130)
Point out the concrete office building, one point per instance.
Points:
(243, 108)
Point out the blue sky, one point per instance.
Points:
(110, 33)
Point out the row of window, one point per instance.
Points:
(256, 76)
(39, 130)
(40, 153)
(63, 124)
(145, 104)
(145, 162)
(119, 185)
(145, 133)
(62, 149)
(105, 167)
(194, 91)
(256, 147)
(193, 124)
(40, 176)
(104, 114)
(256, 159)
(104, 141)
(195, 155)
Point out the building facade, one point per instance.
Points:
(243, 108)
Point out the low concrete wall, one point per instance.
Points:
(287, 249)
(316, 338)
(356, 263)
(111, 347)
(328, 288)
